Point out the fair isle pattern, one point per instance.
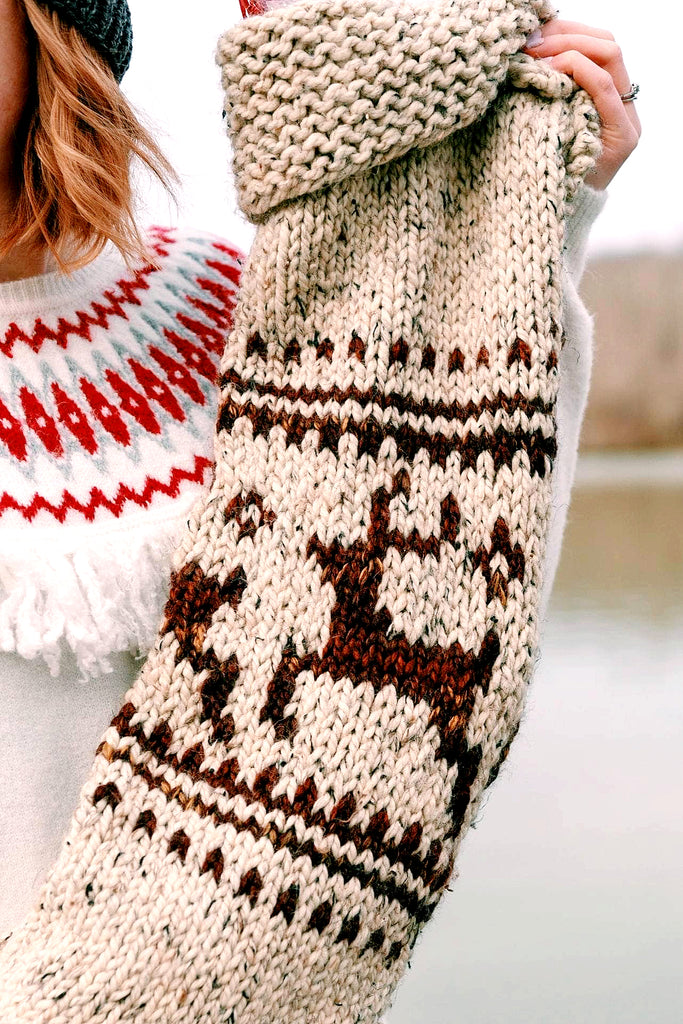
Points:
(112, 402)
(275, 812)
(108, 403)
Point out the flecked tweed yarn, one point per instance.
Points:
(106, 24)
(275, 811)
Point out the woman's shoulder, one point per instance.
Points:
(183, 264)
(108, 399)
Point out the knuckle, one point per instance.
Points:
(569, 57)
(630, 140)
(615, 53)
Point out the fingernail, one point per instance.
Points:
(535, 39)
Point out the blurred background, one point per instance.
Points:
(569, 904)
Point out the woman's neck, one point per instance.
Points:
(22, 260)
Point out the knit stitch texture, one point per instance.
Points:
(106, 24)
(275, 812)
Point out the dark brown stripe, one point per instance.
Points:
(179, 843)
(375, 942)
(321, 917)
(402, 404)
(109, 793)
(251, 885)
(214, 864)
(401, 852)
(147, 821)
(502, 444)
(421, 909)
(286, 903)
(349, 929)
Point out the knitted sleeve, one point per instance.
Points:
(574, 378)
(275, 812)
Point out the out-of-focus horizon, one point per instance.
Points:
(173, 80)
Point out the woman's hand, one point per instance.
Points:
(595, 62)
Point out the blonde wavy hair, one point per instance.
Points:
(79, 138)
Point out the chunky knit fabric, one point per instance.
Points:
(275, 812)
(107, 405)
(106, 24)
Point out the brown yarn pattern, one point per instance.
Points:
(276, 810)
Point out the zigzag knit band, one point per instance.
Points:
(106, 24)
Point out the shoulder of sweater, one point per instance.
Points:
(195, 269)
(184, 261)
(193, 252)
(198, 240)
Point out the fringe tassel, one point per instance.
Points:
(94, 590)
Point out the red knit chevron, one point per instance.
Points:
(74, 419)
(125, 294)
(150, 390)
(100, 315)
(98, 500)
(11, 433)
(40, 422)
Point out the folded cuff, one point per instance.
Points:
(315, 92)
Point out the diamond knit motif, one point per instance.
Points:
(275, 812)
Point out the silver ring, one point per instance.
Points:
(629, 96)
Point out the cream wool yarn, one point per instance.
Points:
(275, 812)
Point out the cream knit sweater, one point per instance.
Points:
(275, 811)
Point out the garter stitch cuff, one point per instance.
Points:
(275, 812)
(106, 24)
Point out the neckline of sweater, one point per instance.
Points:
(44, 292)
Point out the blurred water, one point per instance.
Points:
(569, 904)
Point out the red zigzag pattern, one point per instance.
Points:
(98, 500)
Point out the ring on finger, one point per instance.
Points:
(629, 96)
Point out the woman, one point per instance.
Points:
(228, 859)
(110, 342)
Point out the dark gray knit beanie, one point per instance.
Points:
(105, 24)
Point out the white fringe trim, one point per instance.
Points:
(96, 589)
